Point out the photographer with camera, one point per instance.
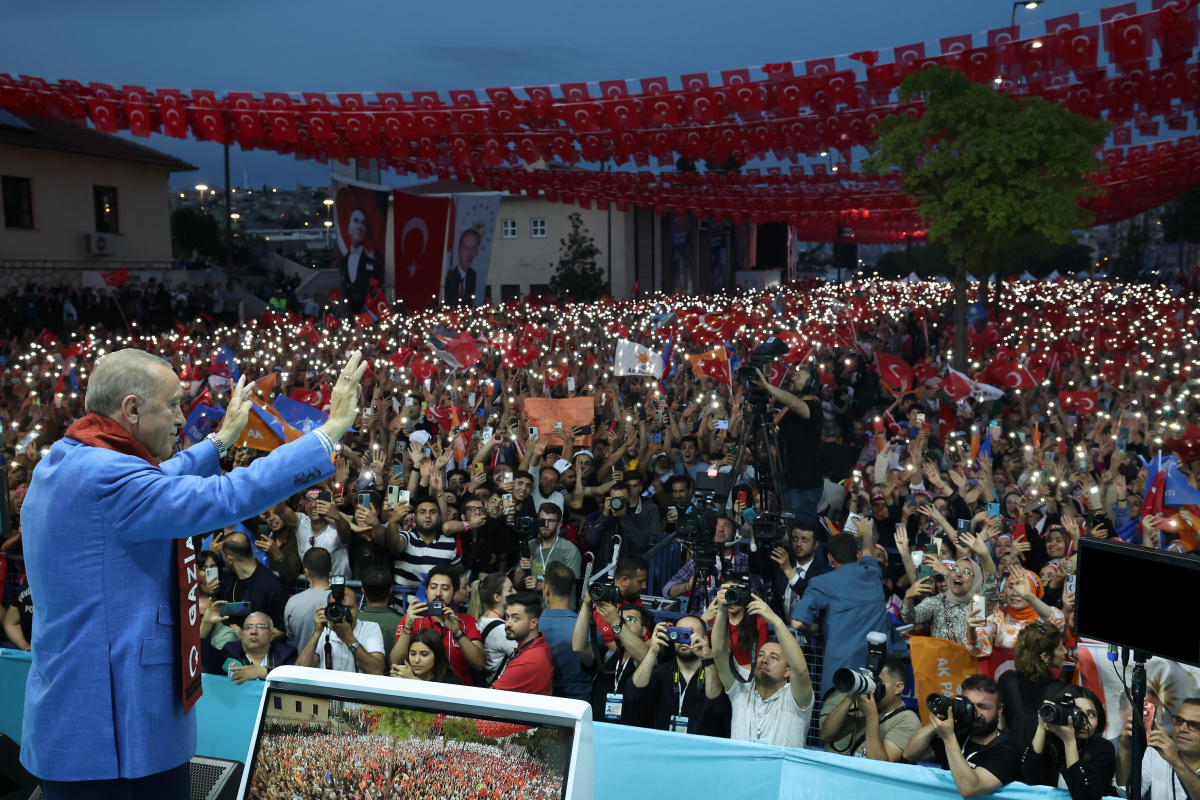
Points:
(800, 439)
(459, 632)
(684, 693)
(964, 738)
(637, 522)
(613, 668)
(724, 560)
(774, 706)
(865, 716)
(1068, 749)
(547, 547)
(342, 641)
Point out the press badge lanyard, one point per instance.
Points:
(544, 557)
(680, 696)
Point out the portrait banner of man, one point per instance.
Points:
(361, 223)
(465, 281)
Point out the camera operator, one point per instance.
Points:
(612, 669)
(350, 645)
(978, 756)
(1074, 755)
(1171, 764)
(800, 440)
(727, 560)
(861, 725)
(684, 693)
(549, 546)
(635, 520)
(775, 705)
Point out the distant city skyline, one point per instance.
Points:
(227, 46)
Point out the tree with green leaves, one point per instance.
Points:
(985, 167)
(194, 234)
(577, 277)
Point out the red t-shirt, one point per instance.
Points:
(741, 653)
(458, 662)
(530, 670)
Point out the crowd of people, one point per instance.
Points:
(293, 762)
(462, 515)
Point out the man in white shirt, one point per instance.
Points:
(323, 526)
(548, 489)
(350, 645)
(776, 704)
(1171, 764)
(300, 608)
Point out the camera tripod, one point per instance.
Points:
(758, 425)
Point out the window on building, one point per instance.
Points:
(278, 702)
(537, 228)
(299, 706)
(510, 293)
(104, 204)
(540, 289)
(18, 202)
(314, 709)
(508, 229)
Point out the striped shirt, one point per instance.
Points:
(410, 567)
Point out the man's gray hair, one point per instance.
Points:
(262, 614)
(120, 374)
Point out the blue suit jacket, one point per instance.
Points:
(103, 699)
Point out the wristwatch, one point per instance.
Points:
(221, 448)
(616, 628)
(353, 647)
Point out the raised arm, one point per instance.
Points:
(800, 682)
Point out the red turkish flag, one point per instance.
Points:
(1012, 375)
(947, 421)
(422, 225)
(363, 321)
(778, 373)
(895, 372)
(422, 370)
(47, 339)
(379, 306)
(1080, 402)
(330, 321)
(956, 385)
(117, 278)
(1187, 446)
(925, 375)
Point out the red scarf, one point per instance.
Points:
(94, 430)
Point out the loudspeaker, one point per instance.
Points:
(15, 781)
(214, 778)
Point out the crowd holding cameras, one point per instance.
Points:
(456, 552)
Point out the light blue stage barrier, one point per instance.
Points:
(630, 763)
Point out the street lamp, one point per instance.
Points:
(201, 189)
(328, 231)
(1028, 5)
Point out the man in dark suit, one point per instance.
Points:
(460, 280)
(358, 267)
(796, 568)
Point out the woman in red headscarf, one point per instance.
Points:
(1020, 605)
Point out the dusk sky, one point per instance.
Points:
(392, 46)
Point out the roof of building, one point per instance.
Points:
(63, 137)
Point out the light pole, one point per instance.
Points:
(1029, 5)
(201, 189)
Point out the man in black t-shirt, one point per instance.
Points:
(683, 695)
(980, 758)
(18, 622)
(800, 440)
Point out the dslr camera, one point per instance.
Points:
(1063, 712)
(525, 525)
(740, 593)
(617, 504)
(335, 612)
(606, 592)
(964, 709)
(866, 681)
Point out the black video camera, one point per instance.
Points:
(1063, 712)
(740, 594)
(964, 709)
(866, 681)
(760, 360)
(525, 525)
(335, 612)
(606, 592)
(774, 527)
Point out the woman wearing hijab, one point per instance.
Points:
(946, 613)
(1078, 759)
(1021, 605)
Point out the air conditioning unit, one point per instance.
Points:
(101, 244)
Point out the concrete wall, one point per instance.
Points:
(63, 213)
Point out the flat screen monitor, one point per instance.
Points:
(1139, 598)
(366, 736)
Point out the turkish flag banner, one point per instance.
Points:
(422, 225)
(117, 278)
(1080, 402)
(895, 372)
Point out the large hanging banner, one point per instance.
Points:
(465, 281)
(718, 268)
(361, 222)
(421, 227)
(683, 253)
(939, 667)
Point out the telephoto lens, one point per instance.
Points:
(964, 709)
(335, 613)
(617, 503)
(848, 681)
(603, 592)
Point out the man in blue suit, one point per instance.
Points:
(104, 709)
